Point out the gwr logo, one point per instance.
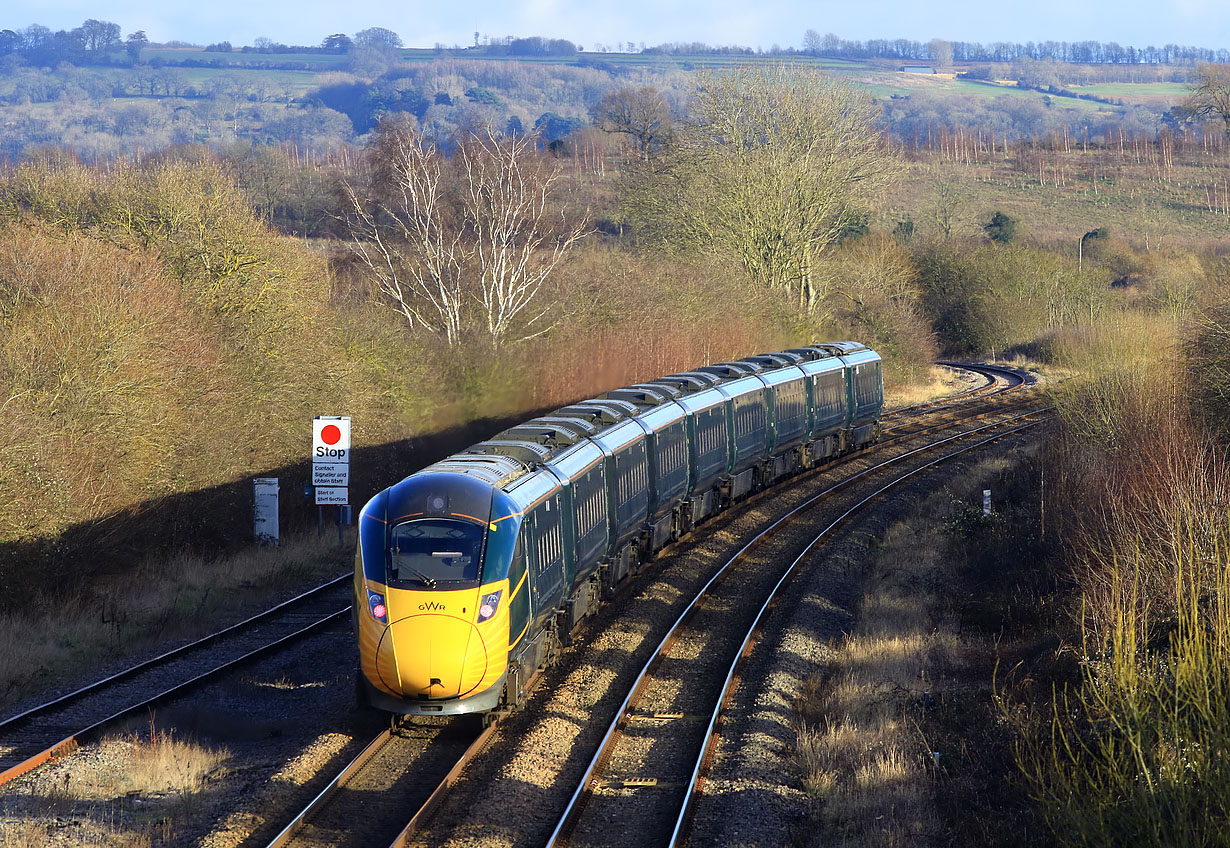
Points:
(432, 605)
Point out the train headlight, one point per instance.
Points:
(375, 603)
(490, 604)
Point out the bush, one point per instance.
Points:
(1001, 228)
(1134, 751)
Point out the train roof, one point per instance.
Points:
(522, 451)
(689, 381)
(527, 453)
(604, 412)
(496, 470)
(644, 397)
(732, 370)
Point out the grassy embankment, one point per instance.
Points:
(1085, 669)
(1072, 683)
(897, 740)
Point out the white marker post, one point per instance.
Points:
(265, 510)
(331, 466)
(986, 501)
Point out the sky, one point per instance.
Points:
(754, 23)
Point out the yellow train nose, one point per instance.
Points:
(436, 656)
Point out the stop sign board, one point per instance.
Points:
(331, 438)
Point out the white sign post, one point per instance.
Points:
(331, 466)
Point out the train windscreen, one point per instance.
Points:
(435, 553)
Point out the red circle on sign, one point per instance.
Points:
(330, 434)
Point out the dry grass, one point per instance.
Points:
(129, 792)
(874, 746)
(858, 743)
(156, 764)
(1133, 751)
(161, 602)
(21, 834)
(941, 382)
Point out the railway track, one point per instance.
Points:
(438, 753)
(664, 731)
(36, 735)
(367, 791)
(407, 767)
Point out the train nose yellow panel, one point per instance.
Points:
(433, 655)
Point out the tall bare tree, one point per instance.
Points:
(948, 204)
(940, 52)
(769, 167)
(403, 232)
(517, 241)
(445, 238)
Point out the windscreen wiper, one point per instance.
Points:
(426, 580)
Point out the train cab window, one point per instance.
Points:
(435, 553)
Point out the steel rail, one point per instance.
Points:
(744, 652)
(369, 750)
(437, 796)
(74, 739)
(568, 818)
(967, 397)
(174, 653)
(355, 766)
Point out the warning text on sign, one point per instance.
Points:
(330, 473)
(332, 495)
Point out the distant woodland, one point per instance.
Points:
(104, 94)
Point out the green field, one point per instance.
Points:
(888, 84)
(325, 61)
(297, 83)
(882, 79)
(1152, 93)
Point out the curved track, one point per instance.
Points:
(395, 776)
(683, 674)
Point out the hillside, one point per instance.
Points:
(319, 101)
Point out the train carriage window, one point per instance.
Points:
(548, 541)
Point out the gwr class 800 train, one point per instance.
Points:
(471, 572)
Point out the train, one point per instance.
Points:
(471, 574)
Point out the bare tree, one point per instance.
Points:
(1211, 97)
(517, 242)
(403, 234)
(940, 52)
(444, 237)
(640, 113)
(948, 205)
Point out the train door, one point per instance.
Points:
(547, 557)
(520, 612)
